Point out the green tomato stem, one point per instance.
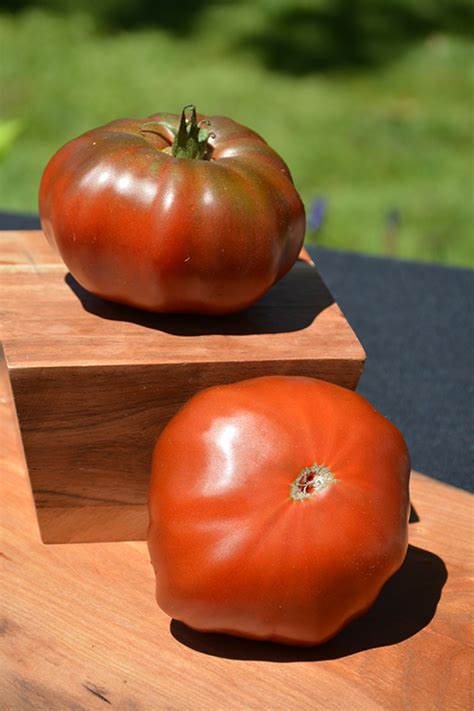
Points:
(191, 140)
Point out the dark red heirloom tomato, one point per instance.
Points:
(198, 215)
(278, 509)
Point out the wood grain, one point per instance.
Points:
(94, 382)
(80, 629)
(49, 320)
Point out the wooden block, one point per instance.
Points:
(94, 382)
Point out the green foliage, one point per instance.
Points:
(9, 132)
(371, 114)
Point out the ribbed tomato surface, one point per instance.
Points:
(278, 509)
(138, 226)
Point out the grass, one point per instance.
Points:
(371, 134)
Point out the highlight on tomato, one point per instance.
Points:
(172, 213)
(278, 509)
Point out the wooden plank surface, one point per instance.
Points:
(81, 631)
(49, 320)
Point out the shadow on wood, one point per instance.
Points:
(405, 606)
(291, 305)
(414, 518)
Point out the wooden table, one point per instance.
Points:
(81, 630)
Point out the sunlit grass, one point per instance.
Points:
(395, 136)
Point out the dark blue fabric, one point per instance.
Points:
(13, 221)
(415, 322)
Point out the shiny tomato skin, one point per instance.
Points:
(135, 225)
(233, 552)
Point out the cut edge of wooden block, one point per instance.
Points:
(70, 518)
(93, 524)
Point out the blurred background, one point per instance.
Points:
(370, 102)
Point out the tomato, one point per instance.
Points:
(191, 215)
(278, 509)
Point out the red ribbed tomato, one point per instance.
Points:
(278, 509)
(198, 215)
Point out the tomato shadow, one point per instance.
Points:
(405, 606)
(414, 518)
(290, 305)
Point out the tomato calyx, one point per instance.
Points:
(311, 481)
(191, 139)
